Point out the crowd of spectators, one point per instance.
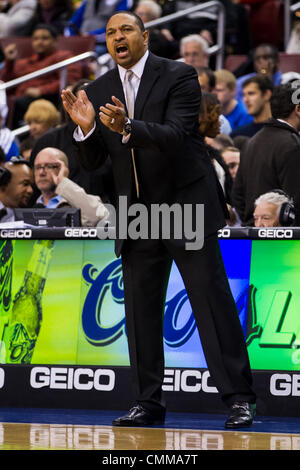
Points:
(249, 117)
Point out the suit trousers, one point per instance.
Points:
(146, 269)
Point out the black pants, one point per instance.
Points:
(146, 269)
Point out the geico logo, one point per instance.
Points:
(20, 233)
(285, 384)
(187, 381)
(69, 378)
(80, 232)
(224, 233)
(2, 377)
(275, 233)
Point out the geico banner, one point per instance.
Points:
(63, 378)
(284, 385)
(73, 292)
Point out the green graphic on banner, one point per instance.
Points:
(62, 302)
(273, 315)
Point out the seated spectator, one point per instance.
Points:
(265, 62)
(257, 92)
(271, 157)
(231, 156)
(16, 182)
(194, 50)
(57, 190)
(161, 41)
(17, 19)
(45, 86)
(91, 18)
(41, 116)
(231, 108)
(57, 13)
(8, 142)
(274, 209)
(207, 82)
(99, 182)
(206, 78)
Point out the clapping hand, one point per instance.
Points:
(113, 115)
(80, 109)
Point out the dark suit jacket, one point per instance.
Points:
(271, 160)
(172, 162)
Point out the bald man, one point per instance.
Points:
(57, 190)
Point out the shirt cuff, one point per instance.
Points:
(79, 135)
(125, 138)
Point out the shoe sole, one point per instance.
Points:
(132, 424)
(235, 426)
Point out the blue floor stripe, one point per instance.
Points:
(173, 420)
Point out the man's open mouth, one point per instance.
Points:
(122, 50)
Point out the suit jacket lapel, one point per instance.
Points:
(116, 86)
(150, 75)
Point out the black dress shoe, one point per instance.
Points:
(139, 416)
(241, 415)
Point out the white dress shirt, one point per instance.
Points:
(138, 70)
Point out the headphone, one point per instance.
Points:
(287, 210)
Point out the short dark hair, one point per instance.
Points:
(19, 160)
(134, 15)
(273, 49)
(263, 83)
(52, 30)
(281, 102)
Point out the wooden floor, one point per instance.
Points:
(29, 436)
(40, 429)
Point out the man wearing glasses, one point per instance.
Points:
(57, 190)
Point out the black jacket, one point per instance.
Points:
(172, 164)
(271, 160)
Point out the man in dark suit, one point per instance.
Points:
(168, 165)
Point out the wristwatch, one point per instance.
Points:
(127, 127)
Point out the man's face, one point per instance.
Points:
(144, 12)
(224, 94)
(232, 160)
(19, 190)
(125, 41)
(44, 165)
(264, 61)
(193, 54)
(254, 99)
(266, 215)
(43, 42)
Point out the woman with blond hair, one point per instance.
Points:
(41, 116)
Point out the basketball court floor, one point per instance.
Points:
(60, 429)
